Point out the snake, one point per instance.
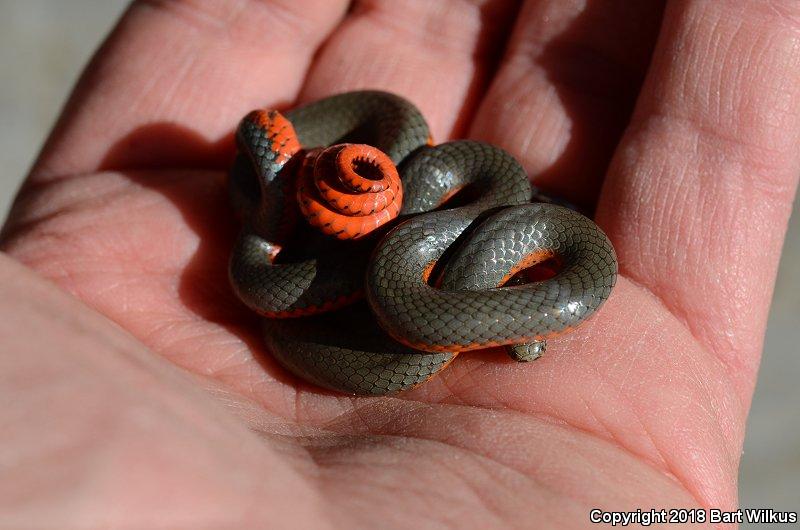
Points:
(375, 256)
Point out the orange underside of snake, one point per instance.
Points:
(348, 190)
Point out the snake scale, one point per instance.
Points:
(376, 257)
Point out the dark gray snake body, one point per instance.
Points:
(432, 307)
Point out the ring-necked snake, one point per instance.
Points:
(317, 191)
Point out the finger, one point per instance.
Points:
(565, 89)
(173, 78)
(437, 54)
(698, 196)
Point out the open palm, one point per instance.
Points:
(680, 129)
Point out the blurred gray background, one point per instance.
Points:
(45, 43)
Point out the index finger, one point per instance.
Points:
(698, 196)
(172, 79)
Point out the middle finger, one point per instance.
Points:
(566, 87)
(439, 55)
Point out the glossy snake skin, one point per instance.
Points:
(438, 280)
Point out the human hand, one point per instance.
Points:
(643, 406)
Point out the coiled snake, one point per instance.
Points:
(318, 194)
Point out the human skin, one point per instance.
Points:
(135, 390)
